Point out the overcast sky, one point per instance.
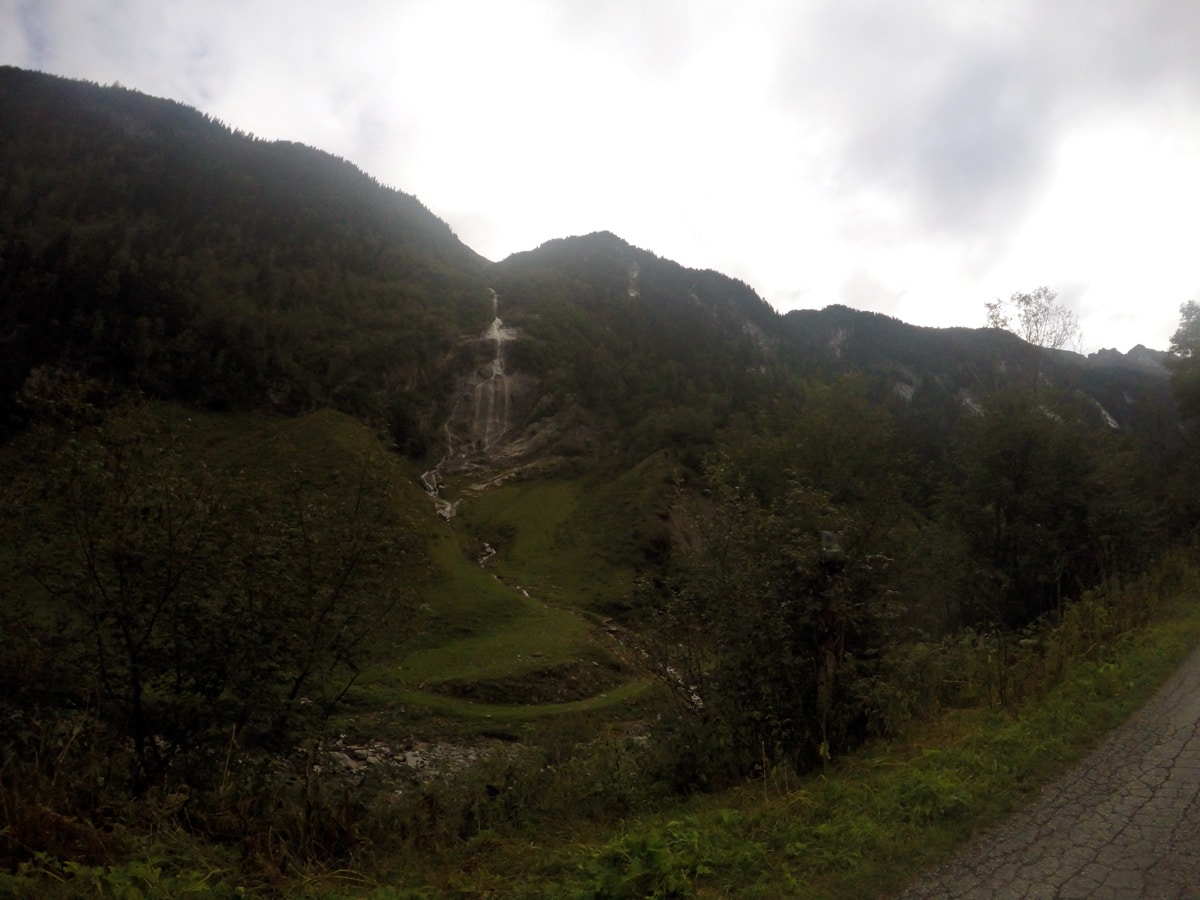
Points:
(914, 157)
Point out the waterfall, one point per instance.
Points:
(483, 423)
(492, 396)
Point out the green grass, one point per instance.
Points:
(546, 543)
(515, 633)
(461, 599)
(487, 651)
(468, 621)
(615, 700)
(870, 823)
(318, 447)
(515, 640)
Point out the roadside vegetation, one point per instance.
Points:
(591, 819)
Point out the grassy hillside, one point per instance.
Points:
(517, 627)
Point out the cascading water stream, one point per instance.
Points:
(491, 407)
(492, 398)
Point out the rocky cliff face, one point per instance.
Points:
(501, 424)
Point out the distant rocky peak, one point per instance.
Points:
(1141, 358)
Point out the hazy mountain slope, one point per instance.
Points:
(146, 242)
(938, 374)
(649, 348)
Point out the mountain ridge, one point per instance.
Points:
(146, 242)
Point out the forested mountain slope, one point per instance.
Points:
(143, 242)
(145, 246)
(942, 373)
(147, 243)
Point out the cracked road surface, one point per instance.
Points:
(1124, 823)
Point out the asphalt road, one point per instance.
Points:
(1124, 823)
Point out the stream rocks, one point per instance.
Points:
(417, 762)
